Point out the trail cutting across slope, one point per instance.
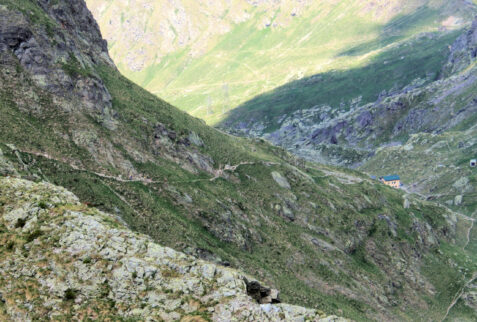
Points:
(469, 231)
(458, 295)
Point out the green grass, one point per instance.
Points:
(435, 163)
(442, 269)
(257, 239)
(34, 13)
(329, 54)
(235, 218)
(73, 67)
(392, 69)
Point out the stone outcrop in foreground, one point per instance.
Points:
(61, 259)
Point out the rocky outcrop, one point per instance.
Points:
(463, 51)
(59, 50)
(280, 180)
(326, 135)
(260, 293)
(60, 258)
(181, 149)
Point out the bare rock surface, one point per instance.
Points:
(62, 259)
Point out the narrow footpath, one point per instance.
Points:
(474, 276)
(458, 295)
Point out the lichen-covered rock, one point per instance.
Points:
(75, 261)
(194, 138)
(280, 180)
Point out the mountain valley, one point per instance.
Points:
(171, 219)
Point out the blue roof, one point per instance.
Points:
(391, 178)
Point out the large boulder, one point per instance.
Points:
(281, 180)
(260, 293)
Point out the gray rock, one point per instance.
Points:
(281, 180)
(458, 200)
(195, 139)
(406, 203)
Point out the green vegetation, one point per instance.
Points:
(35, 14)
(335, 240)
(33, 235)
(73, 67)
(435, 165)
(281, 58)
(70, 294)
(390, 70)
(444, 278)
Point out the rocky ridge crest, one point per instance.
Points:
(61, 258)
(60, 52)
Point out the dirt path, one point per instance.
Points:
(122, 199)
(458, 295)
(474, 276)
(218, 173)
(468, 232)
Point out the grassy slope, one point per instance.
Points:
(433, 164)
(262, 242)
(391, 69)
(174, 223)
(327, 39)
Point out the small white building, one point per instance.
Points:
(473, 163)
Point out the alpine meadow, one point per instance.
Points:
(238, 160)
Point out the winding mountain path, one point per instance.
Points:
(217, 173)
(458, 295)
(474, 276)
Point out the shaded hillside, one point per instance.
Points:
(209, 57)
(419, 61)
(327, 238)
(423, 132)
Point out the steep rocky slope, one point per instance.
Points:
(208, 57)
(61, 260)
(438, 107)
(327, 238)
(423, 132)
(394, 115)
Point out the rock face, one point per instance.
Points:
(60, 51)
(463, 51)
(327, 237)
(324, 134)
(60, 258)
(53, 53)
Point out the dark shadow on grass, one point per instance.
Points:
(393, 69)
